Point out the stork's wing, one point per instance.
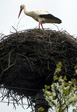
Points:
(40, 12)
(51, 18)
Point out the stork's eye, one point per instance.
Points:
(21, 7)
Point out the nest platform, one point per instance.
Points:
(28, 60)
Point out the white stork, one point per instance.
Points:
(40, 15)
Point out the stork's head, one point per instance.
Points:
(21, 8)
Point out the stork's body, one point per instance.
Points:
(40, 16)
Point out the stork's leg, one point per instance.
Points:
(39, 26)
(42, 26)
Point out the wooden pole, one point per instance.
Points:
(41, 102)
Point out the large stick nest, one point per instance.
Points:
(28, 60)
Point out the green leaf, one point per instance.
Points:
(65, 79)
(55, 78)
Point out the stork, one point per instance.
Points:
(40, 15)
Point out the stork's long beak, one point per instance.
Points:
(19, 13)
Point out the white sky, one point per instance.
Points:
(66, 10)
(5, 108)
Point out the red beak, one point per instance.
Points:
(19, 13)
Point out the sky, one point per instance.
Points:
(5, 108)
(66, 10)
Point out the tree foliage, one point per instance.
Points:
(62, 93)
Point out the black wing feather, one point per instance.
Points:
(49, 16)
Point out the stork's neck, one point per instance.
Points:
(26, 12)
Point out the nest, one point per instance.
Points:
(28, 60)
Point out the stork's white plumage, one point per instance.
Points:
(40, 15)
